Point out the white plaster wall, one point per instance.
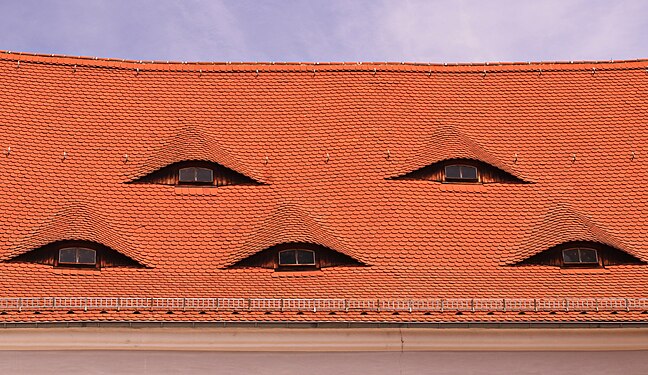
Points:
(324, 363)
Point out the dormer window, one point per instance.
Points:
(580, 256)
(461, 170)
(83, 254)
(196, 175)
(297, 257)
(77, 256)
(461, 173)
(195, 172)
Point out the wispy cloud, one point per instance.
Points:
(336, 30)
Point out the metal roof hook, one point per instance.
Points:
(125, 158)
(18, 64)
(65, 155)
(484, 73)
(200, 73)
(266, 160)
(388, 154)
(515, 158)
(8, 150)
(328, 157)
(137, 71)
(430, 73)
(257, 72)
(314, 71)
(539, 72)
(573, 158)
(593, 70)
(632, 155)
(374, 71)
(74, 69)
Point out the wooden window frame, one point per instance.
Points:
(195, 181)
(461, 179)
(58, 262)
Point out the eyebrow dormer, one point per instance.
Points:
(448, 155)
(290, 239)
(76, 254)
(71, 236)
(192, 157)
(582, 254)
(296, 256)
(567, 238)
(196, 172)
(461, 171)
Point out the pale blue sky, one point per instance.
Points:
(334, 30)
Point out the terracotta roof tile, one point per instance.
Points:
(447, 142)
(190, 143)
(323, 140)
(561, 224)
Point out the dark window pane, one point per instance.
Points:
(452, 171)
(67, 255)
(571, 256)
(468, 172)
(288, 257)
(87, 256)
(187, 174)
(204, 175)
(588, 256)
(305, 257)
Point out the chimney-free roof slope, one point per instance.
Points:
(324, 141)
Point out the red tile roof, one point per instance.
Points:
(323, 140)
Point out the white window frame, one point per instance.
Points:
(77, 250)
(579, 255)
(296, 258)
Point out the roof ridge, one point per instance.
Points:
(479, 67)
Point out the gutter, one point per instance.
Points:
(300, 339)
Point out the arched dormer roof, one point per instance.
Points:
(560, 225)
(447, 143)
(290, 224)
(77, 222)
(190, 143)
